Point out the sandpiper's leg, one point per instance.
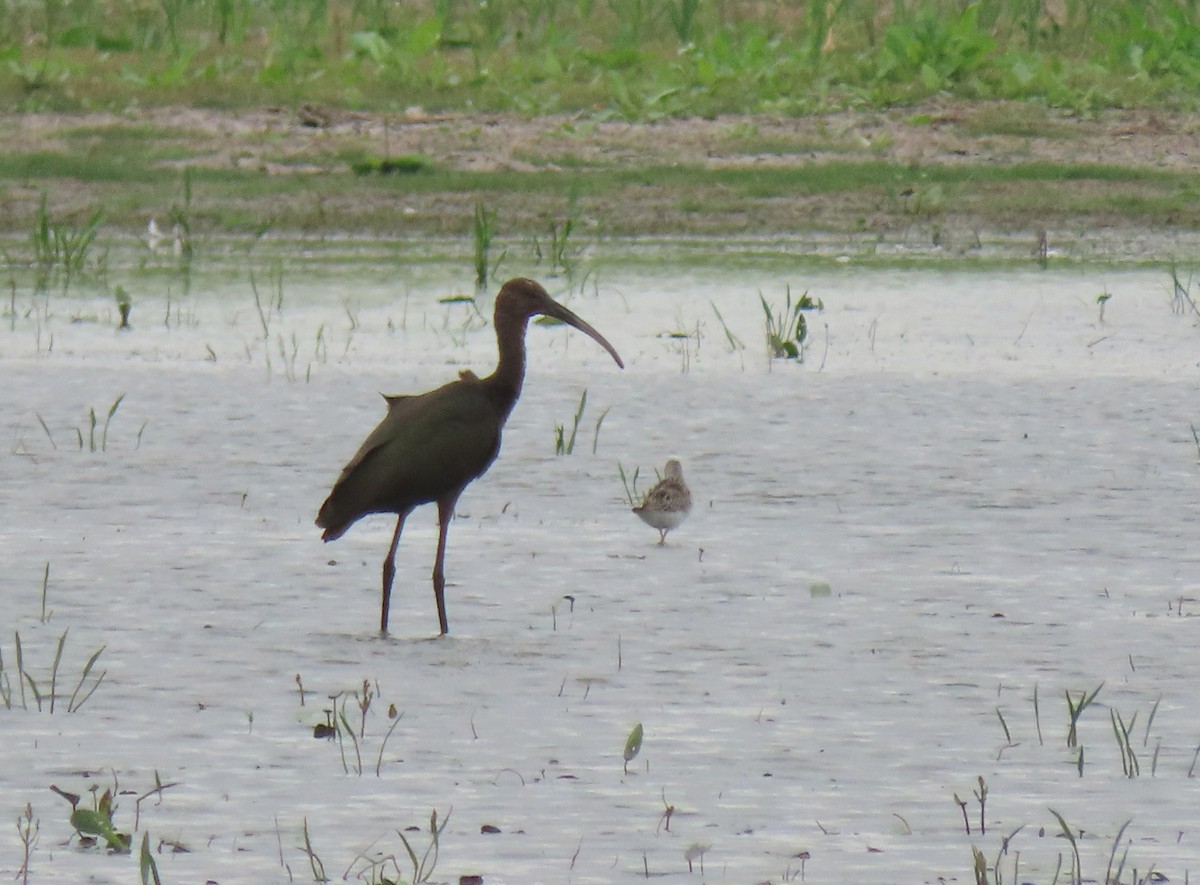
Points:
(389, 573)
(662, 537)
(445, 513)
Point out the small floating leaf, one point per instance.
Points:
(98, 823)
(633, 744)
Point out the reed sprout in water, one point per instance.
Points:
(61, 249)
(46, 696)
(787, 327)
(565, 445)
(629, 483)
(484, 230)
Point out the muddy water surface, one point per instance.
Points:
(972, 490)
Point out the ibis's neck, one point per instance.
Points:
(510, 370)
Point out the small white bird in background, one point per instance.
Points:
(667, 505)
(155, 237)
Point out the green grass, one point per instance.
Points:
(45, 694)
(629, 58)
(815, 178)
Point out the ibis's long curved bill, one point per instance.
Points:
(556, 310)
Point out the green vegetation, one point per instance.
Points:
(565, 445)
(1075, 709)
(96, 826)
(91, 443)
(374, 866)
(337, 724)
(787, 327)
(633, 746)
(629, 484)
(484, 229)
(60, 249)
(45, 695)
(331, 70)
(628, 58)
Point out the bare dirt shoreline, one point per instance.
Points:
(310, 147)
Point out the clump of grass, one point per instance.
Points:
(92, 424)
(557, 246)
(337, 725)
(60, 249)
(565, 445)
(981, 864)
(629, 483)
(409, 164)
(787, 327)
(1129, 761)
(483, 229)
(422, 870)
(1118, 857)
(386, 868)
(124, 306)
(47, 697)
(1075, 709)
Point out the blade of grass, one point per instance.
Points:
(49, 435)
(112, 410)
(58, 652)
(87, 669)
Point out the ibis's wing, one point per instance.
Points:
(425, 448)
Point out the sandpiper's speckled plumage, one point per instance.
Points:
(667, 505)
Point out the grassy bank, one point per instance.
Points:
(937, 122)
(940, 182)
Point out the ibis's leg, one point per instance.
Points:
(389, 573)
(445, 513)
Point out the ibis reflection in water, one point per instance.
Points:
(429, 447)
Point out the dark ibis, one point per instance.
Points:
(429, 447)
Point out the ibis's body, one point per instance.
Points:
(430, 446)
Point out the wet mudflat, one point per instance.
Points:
(972, 489)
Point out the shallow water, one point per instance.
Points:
(997, 489)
